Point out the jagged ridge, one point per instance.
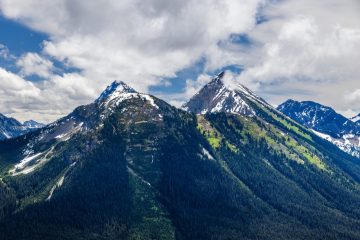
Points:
(326, 123)
(10, 127)
(216, 96)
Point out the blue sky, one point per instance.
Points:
(57, 55)
(19, 38)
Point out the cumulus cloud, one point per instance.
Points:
(44, 100)
(301, 50)
(307, 52)
(16, 92)
(354, 96)
(193, 86)
(34, 64)
(140, 42)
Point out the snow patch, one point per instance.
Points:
(24, 162)
(132, 172)
(322, 135)
(356, 118)
(58, 184)
(68, 133)
(348, 143)
(6, 135)
(30, 163)
(150, 100)
(207, 154)
(116, 98)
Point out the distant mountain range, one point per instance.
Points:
(326, 123)
(131, 166)
(10, 127)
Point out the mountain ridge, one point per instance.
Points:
(131, 166)
(326, 123)
(10, 127)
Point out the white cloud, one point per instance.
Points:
(193, 86)
(34, 64)
(303, 51)
(4, 51)
(44, 101)
(354, 97)
(137, 41)
(307, 52)
(15, 91)
(140, 42)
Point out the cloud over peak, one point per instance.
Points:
(147, 42)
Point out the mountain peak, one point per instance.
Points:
(217, 96)
(123, 87)
(326, 123)
(31, 124)
(118, 87)
(319, 117)
(218, 79)
(290, 103)
(118, 92)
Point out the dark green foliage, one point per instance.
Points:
(94, 202)
(7, 200)
(291, 188)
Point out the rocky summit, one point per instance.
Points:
(216, 96)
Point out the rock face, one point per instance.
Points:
(217, 97)
(326, 123)
(10, 127)
(130, 166)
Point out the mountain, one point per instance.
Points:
(31, 124)
(131, 166)
(326, 123)
(217, 97)
(10, 127)
(319, 117)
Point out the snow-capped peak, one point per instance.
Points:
(31, 124)
(222, 94)
(326, 123)
(116, 87)
(118, 92)
(218, 79)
